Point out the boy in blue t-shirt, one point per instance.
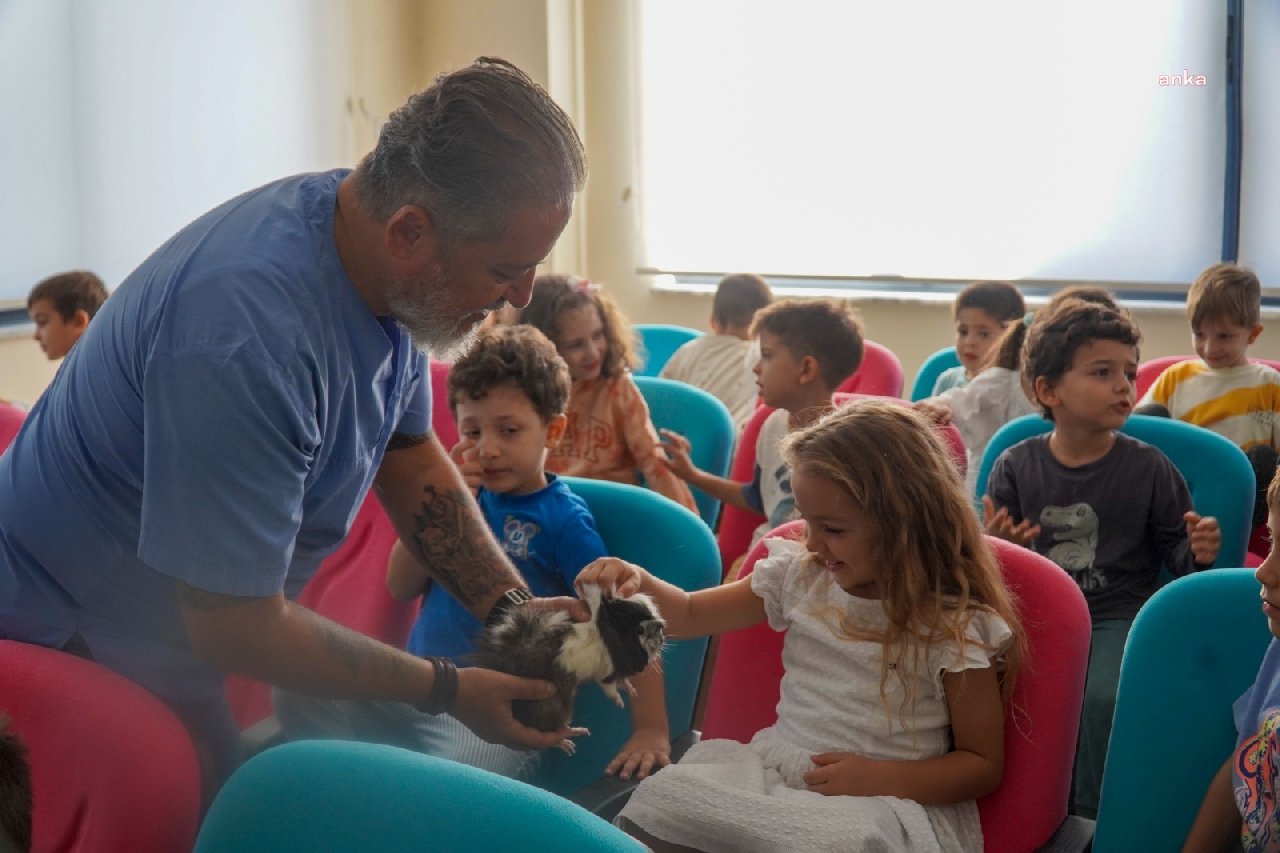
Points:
(1240, 808)
(508, 395)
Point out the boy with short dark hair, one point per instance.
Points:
(61, 306)
(1222, 390)
(1107, 508)
(508, 394)
(720, 363)
(807, 349)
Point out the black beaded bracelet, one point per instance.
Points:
(444, 687)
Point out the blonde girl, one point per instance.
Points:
(901, 647)
(609, 435)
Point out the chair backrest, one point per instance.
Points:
(1040, 727)
(736, 525)
(1151, 369)
(1194, 648)
(112, 768)
(336, 795)
(880, 373)
(1217, 472)
(944, 359)
(11, 418)
(658, 342)
(733, 536)
(442, 422)
(648, 529)
(350, 588)
(700, 417)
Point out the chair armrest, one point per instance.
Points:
(606, 796)
(1074, 835)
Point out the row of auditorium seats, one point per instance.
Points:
(83, 815)
(114, 770)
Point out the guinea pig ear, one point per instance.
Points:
(593, 595)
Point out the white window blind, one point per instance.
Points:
(986, 139)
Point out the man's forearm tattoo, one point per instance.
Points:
(454, 544)
(355, 651)
(401, 441)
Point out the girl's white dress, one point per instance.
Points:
(990, 400)
(727, 796)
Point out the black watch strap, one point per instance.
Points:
(510, 600)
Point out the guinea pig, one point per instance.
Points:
(622, 638)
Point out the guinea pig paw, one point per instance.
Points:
(611, 690)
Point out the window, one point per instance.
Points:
(936, 140)
(126, 120)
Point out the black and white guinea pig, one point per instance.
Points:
(622, 638)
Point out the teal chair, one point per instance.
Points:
(1194, 648)
(1217, 471)
(699, 417)
(658, 341)
(934, 365)
(655, 532)
(318, 796)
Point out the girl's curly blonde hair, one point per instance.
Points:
(935, 566)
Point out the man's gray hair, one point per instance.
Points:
(469, 148)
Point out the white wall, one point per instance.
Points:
(127, 119)
(39, 225)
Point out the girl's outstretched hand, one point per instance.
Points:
(837, 774)
(1000, 525)
(647, 750)
(617, 578)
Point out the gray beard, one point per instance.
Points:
(432, 324)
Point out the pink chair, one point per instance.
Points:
(1150, 369)
(880, 373)
(737, 525)
(442, 422)
(11, 418)
(1040, 729)
(349, 588)
(112, 768)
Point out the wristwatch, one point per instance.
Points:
(509, 600)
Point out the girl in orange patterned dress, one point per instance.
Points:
(609, 434)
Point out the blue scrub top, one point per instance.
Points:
(218, 424)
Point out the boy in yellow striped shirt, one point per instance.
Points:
(1222, 390)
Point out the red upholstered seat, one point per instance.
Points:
(112, 768)
(11, 418)
(880, 373)
(349, 588)
(1040, 730)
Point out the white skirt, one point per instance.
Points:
(731, 797)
